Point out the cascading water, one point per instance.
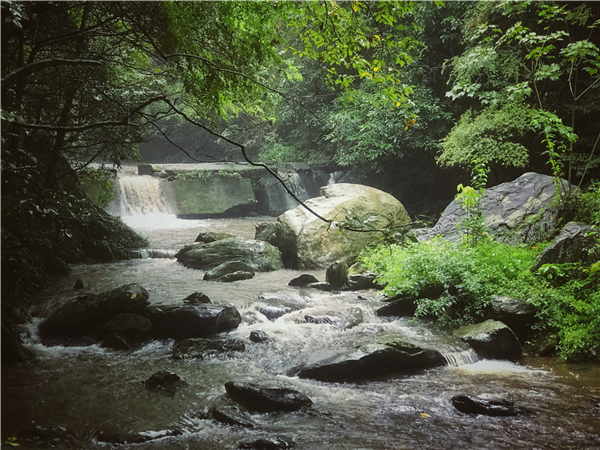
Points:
(94, 392)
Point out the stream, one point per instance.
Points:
(92, 390)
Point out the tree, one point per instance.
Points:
(532, 70)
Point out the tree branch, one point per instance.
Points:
(25, 70)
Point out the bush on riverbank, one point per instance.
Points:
(455, 282)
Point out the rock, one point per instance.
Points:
(517, 314)
(225, 271)
(116, 342)
(133, 327)
(79, 284)
(196, 321)
(197, 298)
(308, 242)
(337, 274)
(475, 405)
(260, 336)
(236, 276)
(273, 312)
(229, 416)
(165, 382)
(267, 444)
(508, 209)
(134, 438)
(259, 256)
(359, 281)
(322, 287)
(146, 169)
(320, 320)
(575, 243)
(404, 306)
(46, 437)
(491, 339)
(209, 236)
(384, 354)
(201, 348)
(86, 315)
(354, 318)
(303, 280)
(267, 399)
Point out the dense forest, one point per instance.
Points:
(493, 88)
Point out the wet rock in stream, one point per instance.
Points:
(475, 405)
(165, 382)
(230, 271)
(267, 399)
(192, 321)
(491, 339)
(200, 348)
(384, 354)
(230, 416)
(268, 444)
(260, 337)
(303, 280)
(197, 298)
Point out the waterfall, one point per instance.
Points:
(460, 357)
(294, 181)
(141, 195)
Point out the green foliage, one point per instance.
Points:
(588, 205)
(98, 184)
(464, 277)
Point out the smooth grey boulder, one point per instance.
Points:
(508, 210)
(202, 348)
(267, 399)
(384, 354)
(303, 280)
(133, 327)
(193, 321)
(86, 315)
(227, 269)
(337, 274)
(310, 243)
(258, 255)
(577, 242)
(210, 236)
(491, 339)
(519, 315)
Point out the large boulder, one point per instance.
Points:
(491, 339)
(193, 321)
(316, 243)
(267, 399)
(575, 243)
(258, 255)
(515, 212)
(386, 354)
(87, 315)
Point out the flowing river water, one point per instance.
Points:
(92, 391)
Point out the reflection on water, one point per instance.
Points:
(90, 389)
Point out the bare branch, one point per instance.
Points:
(25, 70)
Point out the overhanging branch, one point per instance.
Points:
(43, 64)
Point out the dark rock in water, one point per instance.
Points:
(209, 236)
(146, 169)
(260, 256)
(115, 342)
(40, 436)
(384, 354)
(575, 243)
(200, 348)
(491, 339)
(196, 298)
(135, 438)
(475, 405)
(229, 416)
(183, 322)
(267, 444)
(337, 274)
(134, 327)
(267, 399)
(260, 336)
(236, 276)
(86, 315)
(303, 280)
(360, 281)
(320, 320)
(79, 284)
(228, 268)
(404, 306)
(165, 382)
(322, 286)
(274, 312)
(13, 350)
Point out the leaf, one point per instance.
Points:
(425, 415)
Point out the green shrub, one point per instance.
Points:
(98, 184)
